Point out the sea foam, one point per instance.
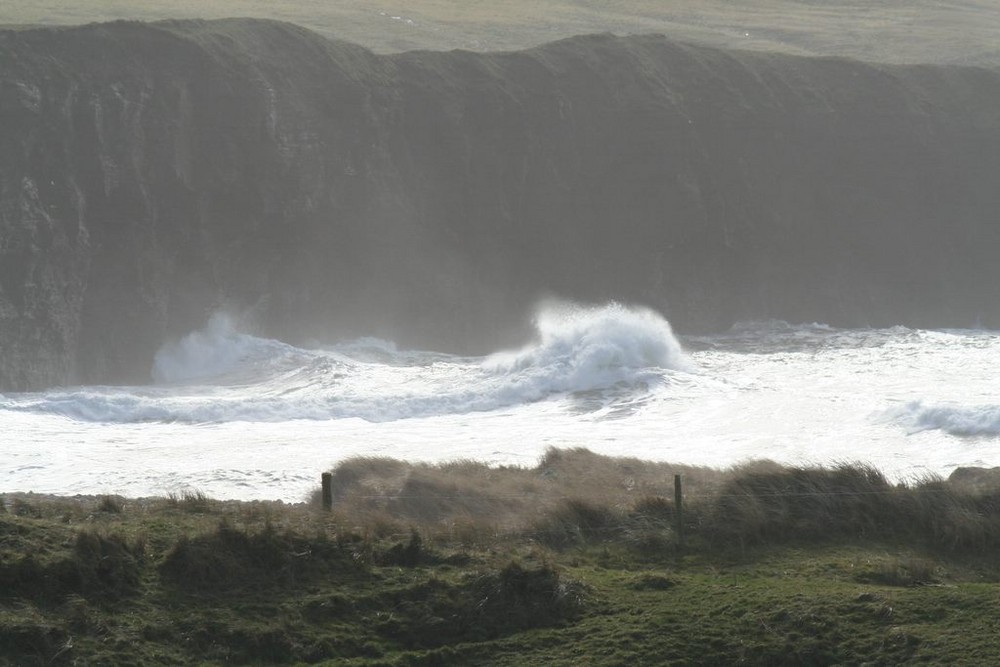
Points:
(967, 420)
(217, 374)
(277, 414)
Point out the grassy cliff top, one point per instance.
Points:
(576, 561)
(924, 31)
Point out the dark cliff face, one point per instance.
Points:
(151, 174)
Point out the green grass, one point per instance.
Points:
(897, 575)
(913, 31)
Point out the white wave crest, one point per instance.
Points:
(613, 354)
(217, 350)
(968, 420)
(582, 348)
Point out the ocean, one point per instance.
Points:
(237, 416)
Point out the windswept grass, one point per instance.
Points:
(111, 504)
(575, 497)
(473, 503)
(195, 502)
(573, 561)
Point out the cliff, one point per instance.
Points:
(153, 173)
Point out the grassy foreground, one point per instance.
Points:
(575, 561)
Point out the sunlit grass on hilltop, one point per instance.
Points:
(919, 31)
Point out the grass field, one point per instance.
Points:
(916, 31)
(575, 561)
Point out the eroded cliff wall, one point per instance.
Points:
(151, 174)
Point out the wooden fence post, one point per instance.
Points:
(678, 510)
(327, 491)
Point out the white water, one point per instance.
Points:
(236, 416)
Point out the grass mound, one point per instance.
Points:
(99, 567)
(516, 597)
(236, 559)
(481, 606)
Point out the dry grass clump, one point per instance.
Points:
(770, 503)
(850, 502)
(620, 481)
(571, 494)
(949, 517)
(575, 521)
(377, 473)
(194, 502)
(577, 497)
(111, 504)
(903, 571)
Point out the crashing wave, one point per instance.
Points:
(218, 374)
(972, 420)
(581, 348)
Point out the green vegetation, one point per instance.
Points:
(575, 561)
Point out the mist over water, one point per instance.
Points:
(236, 415)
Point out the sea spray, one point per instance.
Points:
(613, 353)
(959, 420)
(218, 349)
(790, 393)
(582, 348)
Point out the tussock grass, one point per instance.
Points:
(102, 567)
(518, 597)
(106, 566)
(111, 504)
(195, 502)
(574, 521)
(758, 505)
(23, 508)
(572, 494)
(232, 559)
(575, 497)
(903, 571)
